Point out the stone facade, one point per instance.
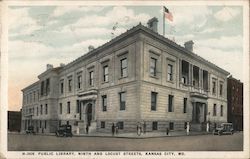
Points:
(138, 77)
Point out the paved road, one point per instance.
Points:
(18, 142)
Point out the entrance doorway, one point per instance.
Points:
(89, 113)
(199, 112)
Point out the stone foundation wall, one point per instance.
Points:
(131, 126)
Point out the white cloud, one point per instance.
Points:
(28, 49)
(33, 50)
(231, 61)
(210, 30)
(122, 15)
(226, 14)
(183, 38)
(86, 33)
(59, 11)
(20, 21)
(224, 42)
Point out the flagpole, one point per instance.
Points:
(163, 21)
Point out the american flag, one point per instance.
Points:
(168, 14)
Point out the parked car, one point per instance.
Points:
(30, 130)
(225, 128)
(64, 131)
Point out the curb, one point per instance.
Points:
(127, 137)
(142, 137)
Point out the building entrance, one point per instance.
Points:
(199, 112)
(89, 114)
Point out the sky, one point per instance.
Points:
(40, 35)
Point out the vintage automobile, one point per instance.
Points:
(30, 130)
(225, 128)
(64, 131)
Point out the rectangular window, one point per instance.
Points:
(124, 67)
(45, 124)
(214, 86)
(214, 110)
(102, 124)
(185, 105)
(104, 103)
(42, 88)
(154, 125)
(122, 101)
(170, 72)
(47, 86)
(46, 109)
(91, 78)
(41, 109)
(40, 124)
(70, 85)
(61, 87)
(68, 107)
(60, 108)
(221, 89)
(171, 126)
(153, 63)
(105, 73)
(120, 125)
(78, 105)
(37, 110)
(221, 110)
(170, 103)
(79, 81)
(60, 123)
(153, 100)
(34, 96)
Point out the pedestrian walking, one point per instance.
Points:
(113, 129)
(208, 126)
(87, 129)
(144, 127)
(138, 129)
(188, 128)
(116, 129)
(167, 131)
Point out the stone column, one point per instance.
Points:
(201, 78)
(208, 76)
(180, 70)
(190, 74)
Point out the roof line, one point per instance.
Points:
(161, 37)
(33, 84)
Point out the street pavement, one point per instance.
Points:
(177, 141)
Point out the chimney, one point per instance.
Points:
(62, 64)
(153, 24)
(189, 45)
(49, 66)
(91, 47)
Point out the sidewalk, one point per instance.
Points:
(147, 135)
(132, 135)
